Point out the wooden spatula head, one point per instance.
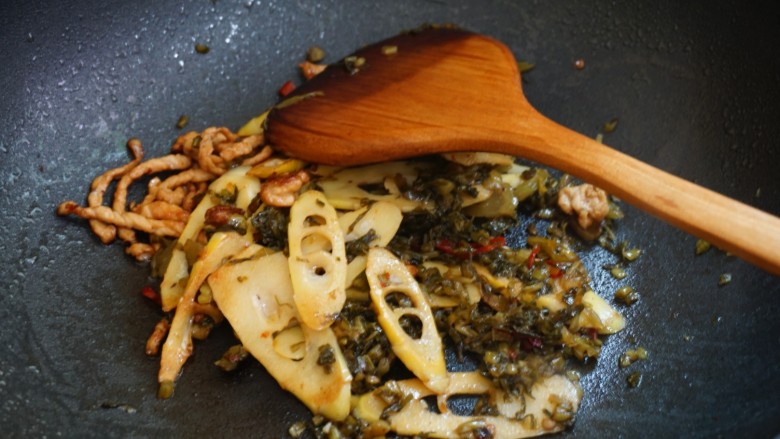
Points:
(421, 92)
(441, 90)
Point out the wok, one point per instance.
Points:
(695, 89)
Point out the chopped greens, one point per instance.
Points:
(702, 246)
(202, 48)
(627, 295)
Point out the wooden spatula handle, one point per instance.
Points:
(728, 224)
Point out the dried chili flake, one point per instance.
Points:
(591, 333)
(286, 88)
(494, 243)
(555, 270)
(151, 294)
(530, 343)
(464, 251)
(532, 257)
(446, 246)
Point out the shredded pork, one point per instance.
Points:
(280, 191)
(586, 202)
(177, 182)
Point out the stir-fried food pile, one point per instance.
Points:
(342, 280)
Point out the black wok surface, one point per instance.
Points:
(695, 88)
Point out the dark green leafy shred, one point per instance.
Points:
(327, 357)
(270, 226)
(183, 121)
(615, 212)
(627, 295)
(232, 358)
(124, 407)
(165, 389)
(353, 64)
(617, 271)
(631, 356)
(202, 48)
(702, 246)
(389, 50)
(611, 125)
(634, 379)
(162, 257)
(630, 254)
(297, 429)
(315, 54)
(192, 249)
(365, 346)
(227, 195)
(525, 66)
(360, 246)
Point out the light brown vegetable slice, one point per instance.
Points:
(423, 356)
(172, 285)
(345, 188)
(551, 402)
(383, 217)
(178, 345)
(318, 260)
(256, 297)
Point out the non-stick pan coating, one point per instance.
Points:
(694, 87)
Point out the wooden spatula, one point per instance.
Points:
(442, 90)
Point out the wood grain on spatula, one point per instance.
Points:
(443, 90)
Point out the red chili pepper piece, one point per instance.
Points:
(532, 257)
(494, 243)
(446, 246)
(458, 250)
(463, 252)
(384, 279)
(286, 88)
(151, 294)
(555, 270)
(530, 343)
